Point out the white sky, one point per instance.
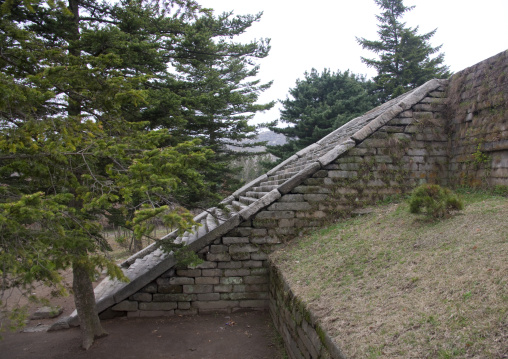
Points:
(321, 34)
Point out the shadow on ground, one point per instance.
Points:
(248, 335)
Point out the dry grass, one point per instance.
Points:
(391, 285)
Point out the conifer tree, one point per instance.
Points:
(94, 121)
(406, 59)
(319, 104)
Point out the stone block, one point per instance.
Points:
(150, 288)
(261, 279)
(183, 305)
(47, 312)
(258, 232)
(209, 296)
(252, 264)
(198, 288)
(174, 297)
(159, 306)
(207, 265)
(243, 248)
(311, 189)
(215, 249)
(241, 256)
(235, 240)
(223, 288)
(316, 197)
(275, 214)
(259, 271)
(230, 265)
(264, 240)
(341, 174)
(165, 287)
(259, 256)
(232, 280)
(181, 280)
(141, 297)
(219, 257)
(236, 272)
(211, 272)
(251, 288)
(294, 206)
(207, 280)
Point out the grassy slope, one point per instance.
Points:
(392, 285)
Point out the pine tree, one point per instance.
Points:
(406, 58)
(319, 104)
(93, 124)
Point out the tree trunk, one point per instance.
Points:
(84, 299)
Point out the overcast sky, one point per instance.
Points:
(321, 34)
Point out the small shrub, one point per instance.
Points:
(434, 200)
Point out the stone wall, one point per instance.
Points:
(477, 113)
(300, 330)
(409, 149)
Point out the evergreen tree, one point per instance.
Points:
(319, 104)
(92, 124)
(406, 58)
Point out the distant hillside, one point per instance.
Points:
(271, 138)
(251, 167)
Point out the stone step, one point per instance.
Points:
(265, 188)
(284, 176)
(247, 200)
(271, 184)
(238, 205)
(211, 222)
(255, 194)
(296, 168)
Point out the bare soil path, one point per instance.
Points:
(248, 335)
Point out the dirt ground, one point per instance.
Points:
(238, 335)
(248, 335)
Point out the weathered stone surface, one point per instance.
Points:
(47, 312)
(174, 297)
(282, 164)
(259, 204)
(197, 288)
(141, 297)
(242, 190)
(275, 214)
(299, 177)
(235, 240)
(295, 206)
(207, 280)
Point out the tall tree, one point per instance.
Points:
(406, 59)
(319, 104)
(79, 84)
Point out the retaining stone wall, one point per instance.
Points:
(477, 112)
(301, 332)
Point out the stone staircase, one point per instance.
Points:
(148, 264)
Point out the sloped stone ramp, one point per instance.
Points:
(148, 264)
